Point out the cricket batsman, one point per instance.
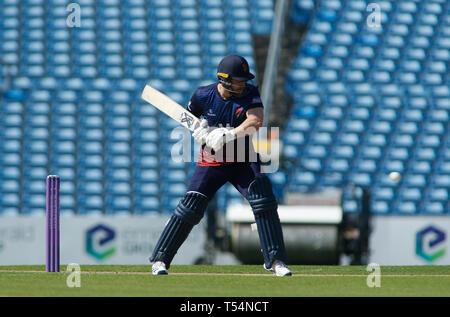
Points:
(231, 110)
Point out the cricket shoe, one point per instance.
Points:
(159, 268)
(279, 268)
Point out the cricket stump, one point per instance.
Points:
(52, 223)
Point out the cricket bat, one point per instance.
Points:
(170, 108)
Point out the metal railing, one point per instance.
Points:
(273, 56)
(7, 84)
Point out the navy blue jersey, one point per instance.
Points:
(206, 102)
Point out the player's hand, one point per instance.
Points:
(217, 138)
(201, 132)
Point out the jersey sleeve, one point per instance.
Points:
(194, 106)
(255, 100)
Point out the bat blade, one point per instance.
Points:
(170, 107)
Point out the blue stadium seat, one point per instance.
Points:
(444, 167)
(304, 178)
(361, 179)
(294, 138)
(10, 186)
(343, 151)
(367, 166)
(406, 207)
(380, 207)
(301, 11)
(438, 194)
(169, 204)
(90, 205)
(118, 205)
(384, 194)
(435, 207)
(316, 151)
(338, 165)
(11, 146)
(290, 152)
(441, 180)
(12, 172)
(348, 139)
(313, 50)
(91, 187)
(146, 175)
(328, 113)
(146, 205)
(410, 194)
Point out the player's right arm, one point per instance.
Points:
(254, 121)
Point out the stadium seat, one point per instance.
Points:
(434, 207)
(380, 207)
(406, 207)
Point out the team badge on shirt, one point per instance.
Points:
(239, 111)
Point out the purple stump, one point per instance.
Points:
(52, 222)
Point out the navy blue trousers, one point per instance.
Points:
(208, 179)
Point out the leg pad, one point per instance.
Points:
(188, 213)
(264, 206)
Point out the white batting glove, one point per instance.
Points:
(217, 138)
(201, 132)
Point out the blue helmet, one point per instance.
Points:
(234, 67)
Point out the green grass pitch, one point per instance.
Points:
(226, 281)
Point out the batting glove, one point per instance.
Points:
(217, 138)
(201, 132)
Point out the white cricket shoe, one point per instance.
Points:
(159, 268)
(279, 268)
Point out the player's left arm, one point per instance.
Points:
(218, 137)
(252, 123)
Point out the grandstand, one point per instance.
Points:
(83, 118)
(372, 100)
(364, 101)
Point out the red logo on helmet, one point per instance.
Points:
(245, 67)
